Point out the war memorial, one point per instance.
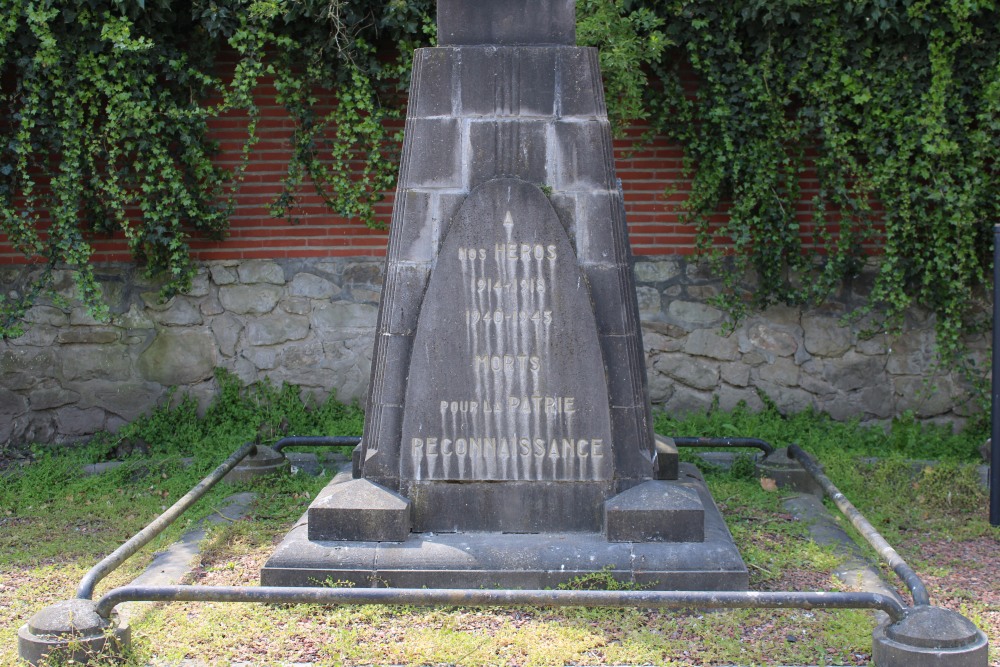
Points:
(508, 440)
(508, 445)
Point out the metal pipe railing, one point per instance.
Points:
(872, 536)
(468, 597)
(85, 591)
(317, 441)
(762, 445)
(497, 598)
(995, 387)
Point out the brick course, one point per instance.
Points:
(647, 175)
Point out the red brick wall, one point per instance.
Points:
(655, 190)
(647, 176)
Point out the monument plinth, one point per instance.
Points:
(508, 438)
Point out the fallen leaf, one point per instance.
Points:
(768, 484)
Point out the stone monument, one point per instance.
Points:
(508, 439)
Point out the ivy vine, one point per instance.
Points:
(892, 107)
(105, 108)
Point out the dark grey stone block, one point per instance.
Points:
(499, 82)
(600, 231)
(299, 561)
(564, 204)
(420, 224)
(508, 399)
(390, 350)
(624, 384)
(358, 510)
(479, 69)
(403, 295)
(633, 436)
(396, 349)
(380, 458)
(507, 148)
(655, 511)
(506, 22)
(446, 204)
(431, 84)
(527, 561)
(510, 507)
(582, 156)
(667, 463)
(356, 454)
(499, 384)
(433, 153)
(412, 235)
(581, 93)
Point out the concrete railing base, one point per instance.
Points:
(930, 637)
(71, 631)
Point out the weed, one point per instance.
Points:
(818, 434)
(744, 467)
(330, 582)
(259, 412)
(602, 580)
(950, 487)
(62, 512)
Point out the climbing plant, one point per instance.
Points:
(104, 127)
(889, 106)
(105, 109)
(630, 38)
(881, 114)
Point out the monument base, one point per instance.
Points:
(510, 560)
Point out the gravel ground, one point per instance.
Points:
(963, 576)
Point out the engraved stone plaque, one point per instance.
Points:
(506, 373)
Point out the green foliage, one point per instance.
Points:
(630, 39)
(770, 540)
(105, 107)
(54, 524)
(744, 467)
(887, 473)
(950, 487)
(349, 153)
(818, 434)
(58, 511)
(45, 496)
(238, 414)
(602, 580)
(890, 105)
(104, 126)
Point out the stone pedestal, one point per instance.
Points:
(508, 409)
(538, 560)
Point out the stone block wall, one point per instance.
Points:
(310, 322)
(306, 322)
(798, 358)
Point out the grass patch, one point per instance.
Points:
(770, 540)
(880, 470)
(51, 509)
(55, 523)
(817, 433)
